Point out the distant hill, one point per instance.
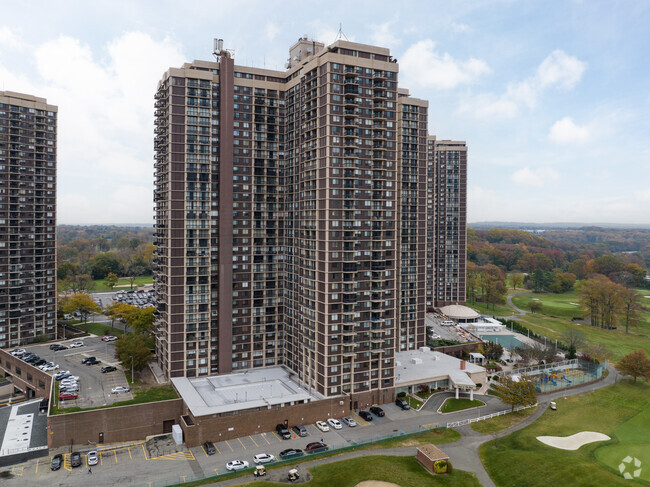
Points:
(555, 226)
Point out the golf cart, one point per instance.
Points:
(553, 406)
(293, 475)
(260, 471)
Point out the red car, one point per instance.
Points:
(68, 395)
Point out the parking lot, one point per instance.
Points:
(140, 463)
(94, 386)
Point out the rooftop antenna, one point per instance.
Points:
(340, 34)
(218, 51)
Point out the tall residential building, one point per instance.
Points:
(28, 127)
(291, 218)
(446, 222)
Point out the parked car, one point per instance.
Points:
(300, 430)
(75, 459)
(87, 359)
(57, 460)
(19, 352)
(94, 361)
(401, 403)
(39, 362)
(335, 423)
(54, 346)
(57, 347)
(349, 421)
(119, 389)
(291, 453)
(365, 415)
(209, 448)
(377, 411)
(283, 432)
(237, 465)
(109, 338)
(322, 425)
(76, 344)
(64, 396)
(316, 447)
(263, 458)
(108, 368)
(61, 374)
(92, 458)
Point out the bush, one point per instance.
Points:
(440, 466)
(450, 469)
(401, 394)
(423, 388)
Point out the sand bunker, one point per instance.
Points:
(573, 442)
(375, 483)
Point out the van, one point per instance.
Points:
(448, 323)
(300, 430)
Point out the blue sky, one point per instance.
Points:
(553, 97)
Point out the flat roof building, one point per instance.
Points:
(28, 130)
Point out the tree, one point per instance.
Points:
(517, 279)
(562, 282)
(77, 283)
(573, 338)
(636, 364)
(602, 299)
(631, 306)
(516, 392)
(111, 280)
(81, 303)
(492, 351)
(578, 268)
(134, 350)
(536, 306)
(119, 311)
(103, 264)
(134, 268)
(141, 320)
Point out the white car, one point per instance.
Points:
(237, 465)
(19, 352)
(335, 423)
(322, 425)
(109, 338)
(118, 389)
(49, 367)
(349, 421)
(92, 458)
(263, 458)
(76, 344)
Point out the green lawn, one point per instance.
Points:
(500, 423)
(490, 310)
(404, 471)
(123, 283)
(451, 405)
(150, 394)
(619, 411)
(99, 329)
(414, 403)
(557, 305)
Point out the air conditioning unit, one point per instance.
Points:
(340, 403)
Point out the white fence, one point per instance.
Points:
(488, 416)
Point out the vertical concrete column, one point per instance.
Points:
(471, 394)
(456, 392)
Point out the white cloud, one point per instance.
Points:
(105, 129)
(642, 196)
(384, 34)
(272, 30)
(535, 178)
(9, 39)
(422, 65)
(566, 132)
(558, 70)
(459, 28)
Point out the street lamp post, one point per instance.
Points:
(131, 369)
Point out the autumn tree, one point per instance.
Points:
(602, 299)
(77, 283)
(141, 320)
(517, 279)
(119, 311)
(111, 280)
(535, 306)
(519, 392)
(134, 350)
(79, 302)
(492, 351)
(636, 364)
(631, 302)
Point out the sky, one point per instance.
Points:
(552, 97)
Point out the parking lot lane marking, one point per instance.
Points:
(37, 460)
(130, 453)
(229, 446)
(204, 451)
(263, 435)
(276, 435)
(252, 440)
(17, 471)
(145, 452)
(101, 461)
(217, 448)
(115, 452)
(240, 442)
(183, 478)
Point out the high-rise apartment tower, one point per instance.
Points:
(291, 218)
(28, 128)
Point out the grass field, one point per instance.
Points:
(557, 305)
(150, 394)
(500, 423)
(483, 309)
(99, 329)
(123, 283)
(619, 411)
(437, 437)
(451, 405)
(405, 471)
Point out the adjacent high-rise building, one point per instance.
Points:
(291, 215)
(446, 222)
(28, 128)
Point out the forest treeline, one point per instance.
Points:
(86, 253)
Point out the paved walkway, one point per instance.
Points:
(519, 311)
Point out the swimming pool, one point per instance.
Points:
(506, 341)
